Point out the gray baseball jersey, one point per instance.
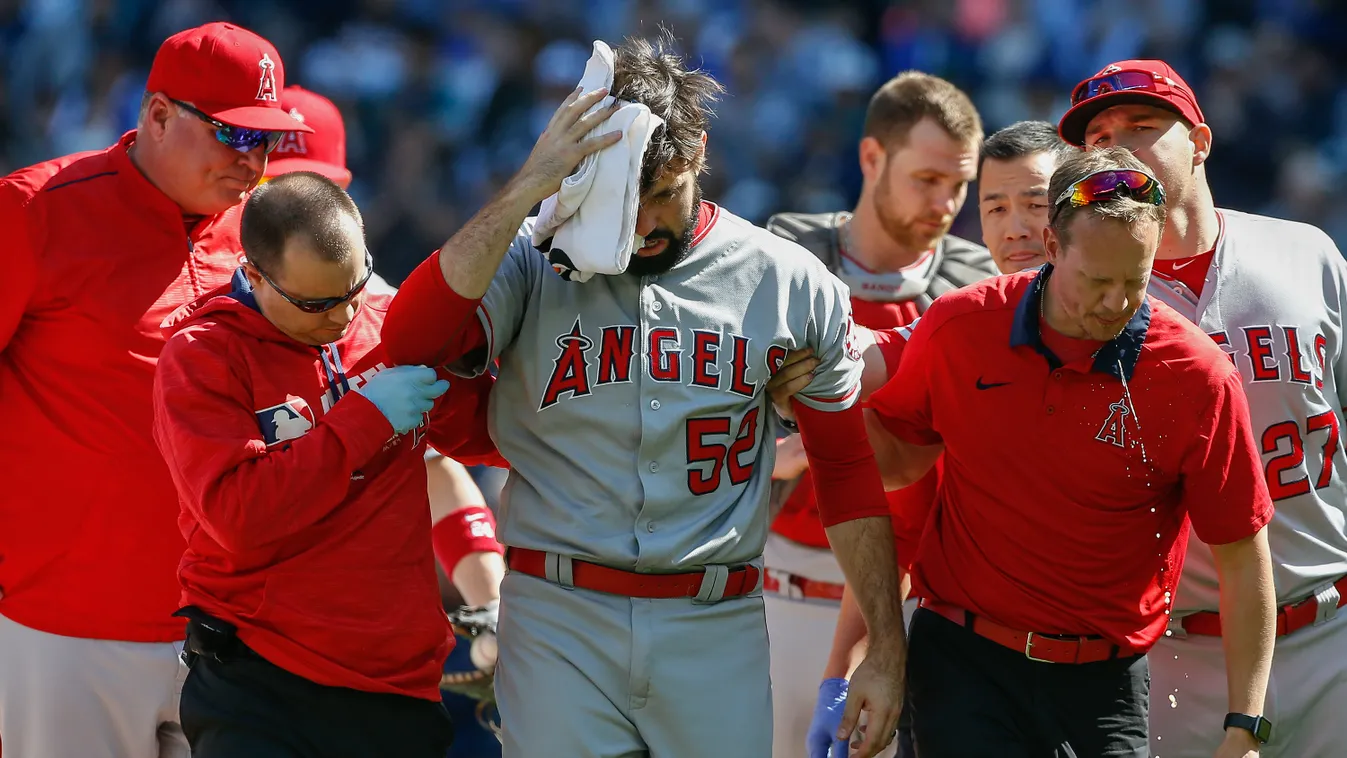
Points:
(1274, 299)
(632, 409)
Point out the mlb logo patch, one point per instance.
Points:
(287, 421)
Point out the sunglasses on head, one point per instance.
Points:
(1120, 81)
(1113, 183)
(323, 304)
(239, 138)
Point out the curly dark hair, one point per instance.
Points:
(653, 73)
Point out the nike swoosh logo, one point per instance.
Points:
(1178, 266)
(986, 386)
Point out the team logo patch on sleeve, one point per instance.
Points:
(287, 421)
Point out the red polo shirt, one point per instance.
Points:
(1068, 489)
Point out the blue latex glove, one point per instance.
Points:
(822, 734)
(404, 394)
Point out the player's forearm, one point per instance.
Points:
(470, 258)
(1248, 619)
(477, 577)
(850, 639)
(864, 548)
(900, 463)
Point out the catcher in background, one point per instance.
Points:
(463, 529)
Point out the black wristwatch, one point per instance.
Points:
(1258, 726)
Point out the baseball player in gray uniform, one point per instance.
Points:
(633, 413)
(1272, 294)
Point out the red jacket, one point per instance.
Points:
(307, 521)
(94, 258)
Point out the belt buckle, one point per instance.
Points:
(1028, 646)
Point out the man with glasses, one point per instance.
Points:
(1272, 294)
(99, 248)
(463, 527)
(1043, 586)
(309, 579)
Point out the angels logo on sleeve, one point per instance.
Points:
(288, 421)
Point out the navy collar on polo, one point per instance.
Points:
(1119, 353)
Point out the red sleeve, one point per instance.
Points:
(19, 280)
(903, 406)
(846, 478)
(463, 532)
(428, 323)
(458, 426)
(1223, 486)
(241, 493)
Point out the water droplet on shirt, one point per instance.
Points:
(1157, 535)
(1173, 702)
(1149, 484)
(1170, 633)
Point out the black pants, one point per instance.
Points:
(971, 697)
(244, 707)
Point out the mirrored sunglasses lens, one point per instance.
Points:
(1125, 80)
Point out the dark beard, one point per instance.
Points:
(677, 249)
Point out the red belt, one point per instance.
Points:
(790, 585)
(1044, 648)
(591, 576)
(1290, 618)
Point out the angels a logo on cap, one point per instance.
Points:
(266, 88)
(292, 143)
(288, 421)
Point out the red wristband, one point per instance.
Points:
(462, 532)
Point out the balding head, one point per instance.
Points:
(300, 207)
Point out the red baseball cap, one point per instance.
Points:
(226, 72)
(1159, 85)
(324, 150)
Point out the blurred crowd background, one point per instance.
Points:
(444, 98)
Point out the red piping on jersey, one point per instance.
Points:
(706, 218)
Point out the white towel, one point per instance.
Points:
(589, 226)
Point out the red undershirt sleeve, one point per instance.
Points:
(430, 324)
(846, 478)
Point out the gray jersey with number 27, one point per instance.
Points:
(632, 409)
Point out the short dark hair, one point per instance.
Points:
(299, 204)
(1022, 139)
(1081, 163)
(911, 96)
(651, 72)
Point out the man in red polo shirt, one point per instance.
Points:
(1273, 294)
(99, 248)
(1043, 586)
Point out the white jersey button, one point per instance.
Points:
(655, 306)
(654, 467)
(654, 405)
(650, 527)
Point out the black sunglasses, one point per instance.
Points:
(324, 304)
(239, 138)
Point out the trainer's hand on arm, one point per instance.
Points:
(796, 372)
(470, 258)
(1249, 623)
(404, 394)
